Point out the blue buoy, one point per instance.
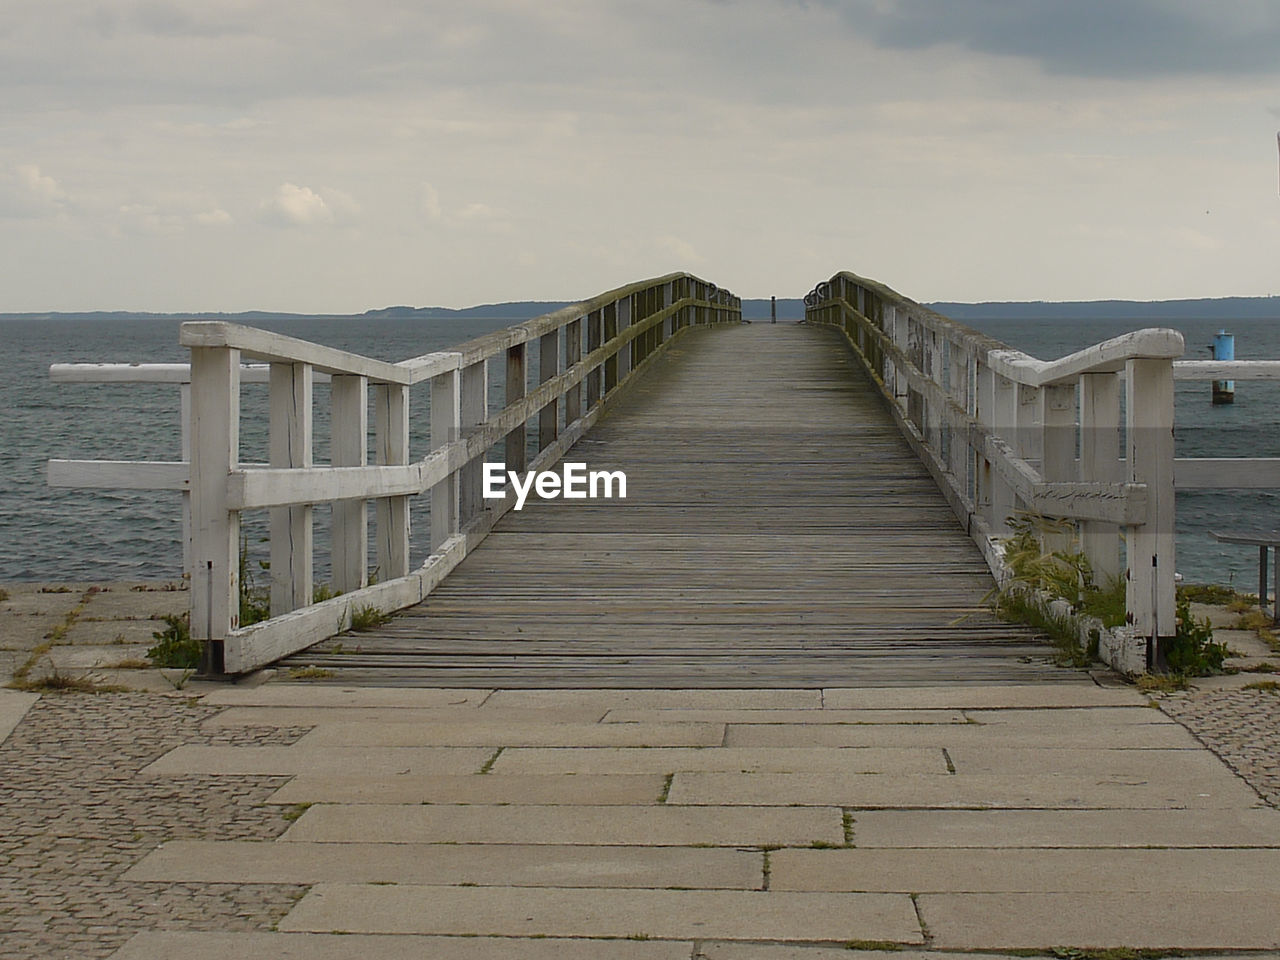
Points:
(1224, 348)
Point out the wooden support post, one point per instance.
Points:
(1100, 462)
(391, 443)
(630, 354)
(516, 454)
(446, 427)
(1149, 561)
(548, 368)
(215, 528)
(349, 447)
(290, 446)
(184, 401)
(1058, 441)
(595, 379)
(572, 354)
(610, 330)
(1004, 502)
(475, 410)
(1026, 438)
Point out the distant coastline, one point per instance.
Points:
(1208, 308)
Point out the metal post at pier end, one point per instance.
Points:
(773, 309)
(1223, 348)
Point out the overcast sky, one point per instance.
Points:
(340, 155)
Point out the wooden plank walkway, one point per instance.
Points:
(778, 532)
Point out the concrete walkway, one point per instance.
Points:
(744, 824)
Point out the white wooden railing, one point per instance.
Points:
(1003, 432)
(585, 353)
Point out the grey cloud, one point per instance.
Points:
(1111, 38)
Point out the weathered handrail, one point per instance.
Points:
(1003, 432)
(586, 352)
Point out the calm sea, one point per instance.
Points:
(48, 534)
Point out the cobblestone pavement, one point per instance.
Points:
(76, 815)
(1240, 726)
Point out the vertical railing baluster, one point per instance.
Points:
(475, 410)
(446, 426)
(1060, 414)
(572, 355)
(626, 358)
(290, 446)
(548, 369)
(516, 453)
(1100, 463)
(391, 443)
(595, 336)
(349, 447)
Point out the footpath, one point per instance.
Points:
(300, 820)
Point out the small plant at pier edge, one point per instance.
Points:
(175, 646)
(310, 673)
(4, 594)
(255, 601)
(1194, 652)
(368, 618)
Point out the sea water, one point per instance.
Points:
(57, 534)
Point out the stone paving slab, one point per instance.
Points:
(481, 732)
(655, 826)
(113, 632)
(213, 945)
(562, 788)
(96, 655)
(1072, 717)
(315, 716)
(661, 699)
(1047, 737)
(1032, 871)
(513, 865)
(13, 707)
(960, 696)
(839, 761)
(663, 914)
(305, 695)
(1027, 920)
(943, 716)
(1047, 791)
(1135, 736)
(1153, 765)
(1067, 828)
(344, 761)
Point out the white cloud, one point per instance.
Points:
(431, 202)
(682, 249)
(297, 206)
(26, 193)
(217, 217)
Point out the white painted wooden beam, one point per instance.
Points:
(120, 474)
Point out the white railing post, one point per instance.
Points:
(516, 446)
(1149, 559)
(1004, 423)
(1100, 463)
(1058, 442)
(548, 369)
(290, 446)
(446, 426)
(572, 354)
(215, 527)
(349, 446)
(391, 433)
(184, 414)
(475, 410)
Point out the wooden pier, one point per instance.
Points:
(777, 531)
(807, 504)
